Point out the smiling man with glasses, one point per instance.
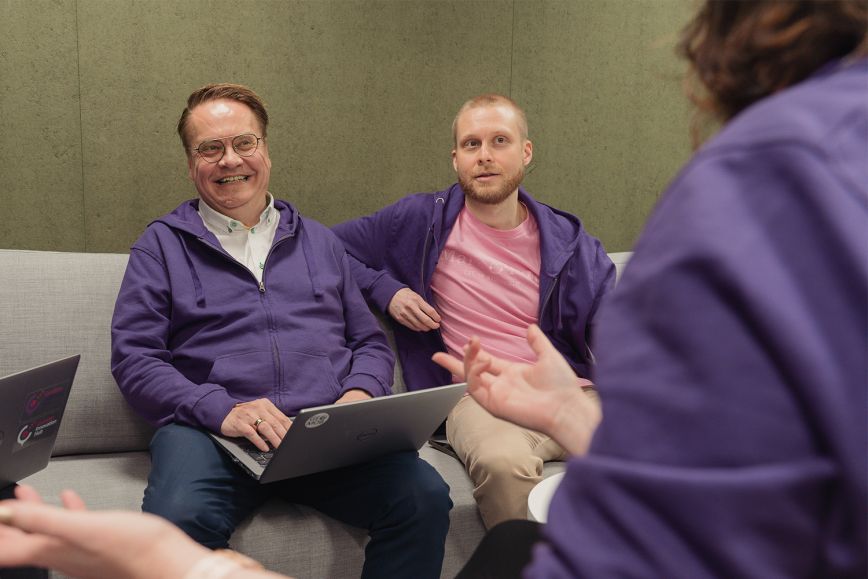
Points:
(235, 313)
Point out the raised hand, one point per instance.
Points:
(410, 309)
(545, 396)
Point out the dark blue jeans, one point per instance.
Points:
(400, 499)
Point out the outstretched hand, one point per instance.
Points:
(91, 545)
(544, 396)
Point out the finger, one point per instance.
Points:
(72, 501)
(267, 432)
(538, 341)
(250, 434)
(451, 363)
(28, 494)
(44, 519)
(422, 319)
(477, 373)
(408, 322)
(429, 311)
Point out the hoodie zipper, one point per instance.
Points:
(275, 351)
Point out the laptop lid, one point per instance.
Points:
(32, 403)
(337, 435)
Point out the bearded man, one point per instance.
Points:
(483, 258)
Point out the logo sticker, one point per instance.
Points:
(316, 420)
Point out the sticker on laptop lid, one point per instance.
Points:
(316, 420)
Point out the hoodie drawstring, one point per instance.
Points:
(311, 265)
(197, 283)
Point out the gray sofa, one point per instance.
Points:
(54, 305)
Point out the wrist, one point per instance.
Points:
(220, 565)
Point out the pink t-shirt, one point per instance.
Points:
(487, 284)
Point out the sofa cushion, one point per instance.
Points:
(55, 305)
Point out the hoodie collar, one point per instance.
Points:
(559, 232)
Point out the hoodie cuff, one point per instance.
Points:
(383, 292)
(212, 409)
(365, 382)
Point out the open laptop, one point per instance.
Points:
(31, 407)
(337, 435)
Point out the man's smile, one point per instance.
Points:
(233, 179)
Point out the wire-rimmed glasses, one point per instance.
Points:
(212, 151)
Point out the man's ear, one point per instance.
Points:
(191, 167)
(454, 161)
(528, 152)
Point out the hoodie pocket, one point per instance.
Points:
(245, 376)
(304, 380)
(309, 379)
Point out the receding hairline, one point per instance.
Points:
(222, 91)
(490, 100)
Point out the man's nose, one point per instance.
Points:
(230, 158)
(484, 155)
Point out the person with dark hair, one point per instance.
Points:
(484, 257)
(732, 356)
(234, 314)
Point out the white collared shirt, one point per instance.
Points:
(248, 245)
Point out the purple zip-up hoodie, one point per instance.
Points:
(732, 363)
(399, 246)
(194, 332)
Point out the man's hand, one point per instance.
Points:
(353, 395)
(259, 421)
(544, 396)
(409, 309)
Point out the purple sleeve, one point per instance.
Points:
(373, 366)
(141, 361)
(367, 242)
(731, 361)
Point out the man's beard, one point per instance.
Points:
(488, 196)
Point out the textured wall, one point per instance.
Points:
(361, 94)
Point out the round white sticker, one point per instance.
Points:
(316, 420)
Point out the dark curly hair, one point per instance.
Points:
(741, 52)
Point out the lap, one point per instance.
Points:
(473, 431)
(359, 494)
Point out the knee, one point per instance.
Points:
(503, 465)
(424, 498)
(202, 523)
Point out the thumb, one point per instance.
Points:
(538, 342)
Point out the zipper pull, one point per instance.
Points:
(261, 287)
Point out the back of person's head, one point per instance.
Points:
(741, 52)
(490, 100)
(225, 90)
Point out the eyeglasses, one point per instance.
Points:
(244, 145)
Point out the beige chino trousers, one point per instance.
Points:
(504, 461)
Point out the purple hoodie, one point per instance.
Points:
(401, 243)
(732, 362)
(194, 333)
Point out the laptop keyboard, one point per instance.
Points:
(262, 458)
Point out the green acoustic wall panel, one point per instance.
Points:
(360, 94)
(602, 88)
(40, 137)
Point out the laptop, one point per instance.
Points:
(328, 437)
(31, 407)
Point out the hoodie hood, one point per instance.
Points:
(186, 222)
